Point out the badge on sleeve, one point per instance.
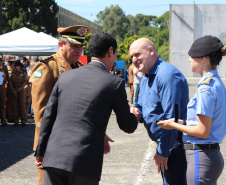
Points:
(38, 124)
(204, 90)
(38, 74)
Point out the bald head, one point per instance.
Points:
(143, 54)
(143, 43)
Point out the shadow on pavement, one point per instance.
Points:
(16, 143)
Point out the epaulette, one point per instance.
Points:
(80, 63)
(207, 80)
(47, 59)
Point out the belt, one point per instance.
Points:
(201, 146)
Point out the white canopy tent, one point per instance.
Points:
(25, 42)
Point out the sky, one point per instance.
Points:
(88, 9)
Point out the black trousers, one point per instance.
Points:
(54, 176)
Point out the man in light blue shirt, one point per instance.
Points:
(162, 86)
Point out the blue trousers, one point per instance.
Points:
(177, 167)
(136, 88)
(32, 113)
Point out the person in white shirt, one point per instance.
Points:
(136, 84)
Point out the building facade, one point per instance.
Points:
(190, 22)
(67, 18)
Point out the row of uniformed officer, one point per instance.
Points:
(12, 92)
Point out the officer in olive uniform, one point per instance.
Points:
(46, 72)
(9, 93)
(17, 82)
(4, 76)
(27, 89)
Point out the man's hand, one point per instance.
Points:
(107, 147)
(136, 112)
(39, 161)
(160, 162)
(169, 124)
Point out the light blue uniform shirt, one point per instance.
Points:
(210, 100)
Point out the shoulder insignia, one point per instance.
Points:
(47, 59)
(38, 74)
(80, 63)
(204, 90)
(207, 80)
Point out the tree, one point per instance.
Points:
(144, 20)
(162, 36)
(132, 28)
(0, 17)
(113, 21)
(123, 49)
(38, 15)
(86, 47)
(127, 28)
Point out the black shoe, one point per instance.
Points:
(16, 124)
(23, 124)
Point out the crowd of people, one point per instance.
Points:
(15, 89)
(72, 107)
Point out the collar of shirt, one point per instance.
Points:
(208, 74)
(99, 62)
(154, 69)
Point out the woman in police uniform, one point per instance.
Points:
(206, 118)
(17, 82)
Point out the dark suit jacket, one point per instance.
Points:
(76, 117)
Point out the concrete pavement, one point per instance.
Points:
(129, 163)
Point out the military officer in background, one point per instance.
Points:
(9, 93)
(130, 81)
(3, 81)
(47, 71)
(17, 83)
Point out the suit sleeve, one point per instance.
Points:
(48, 122)
(126, 120)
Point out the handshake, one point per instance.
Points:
(136, 112)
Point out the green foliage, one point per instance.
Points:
(144, 20)
(162, 36)
(113, 20)
(162, 22)
(123, 49)
(128, 28)
(38, 15)
(86, 47)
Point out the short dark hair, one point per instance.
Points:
(100, 43)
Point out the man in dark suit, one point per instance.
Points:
(76, 117)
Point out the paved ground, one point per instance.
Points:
(129, 163)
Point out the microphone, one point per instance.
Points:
(176, 113)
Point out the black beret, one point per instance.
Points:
(24, 58)
(204, 46)
(18, 63)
